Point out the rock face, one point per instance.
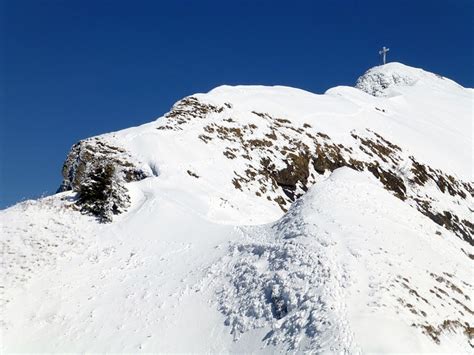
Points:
(98, 170)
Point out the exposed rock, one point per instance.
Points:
(97, 170)
(286, 165)
(391, 181)
(190, 173)
(294, 175)
(188, 109)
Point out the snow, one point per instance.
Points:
(335, 269)
(126, 289)
(434, 125)
(421, 118)
(392, 79)
(198, 265)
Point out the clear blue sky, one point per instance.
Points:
(73, 69)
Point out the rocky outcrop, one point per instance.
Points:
(98, 170)
(188, 109)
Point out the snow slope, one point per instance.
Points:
(260, 219)
(369, 276)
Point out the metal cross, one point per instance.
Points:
(383, 53)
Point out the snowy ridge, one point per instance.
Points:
(281, 219)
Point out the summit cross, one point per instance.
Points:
(383, 53)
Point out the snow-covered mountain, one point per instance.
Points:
(256, 219)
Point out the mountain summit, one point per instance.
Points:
(384, 80)
(255, 218)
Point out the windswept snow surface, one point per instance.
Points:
(338, 271)
(206, 260)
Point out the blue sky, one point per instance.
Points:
(73, 69)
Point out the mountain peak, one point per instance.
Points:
(257, 219)
(389, 79)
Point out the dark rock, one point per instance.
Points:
(97, 171)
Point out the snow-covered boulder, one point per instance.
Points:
(385, 79)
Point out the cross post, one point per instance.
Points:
(383, 53)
